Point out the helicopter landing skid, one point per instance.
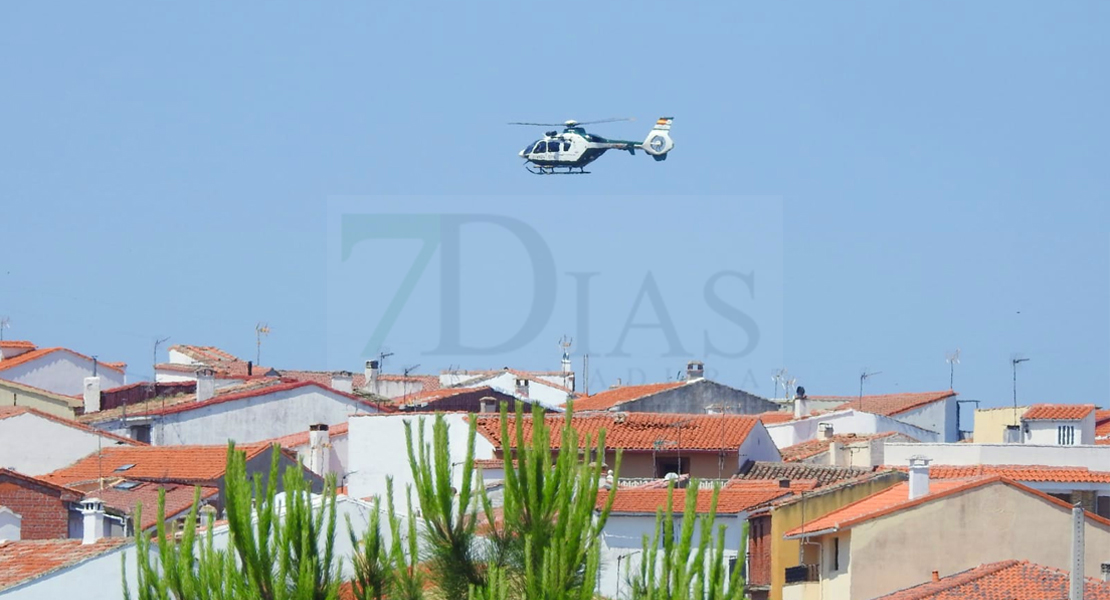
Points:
(552, 170)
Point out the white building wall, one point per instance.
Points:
(544, 395)
(758, 446)
(337, 457)
(100, 578)
(377, 450)
(845, 421)
(254, 419)
(63, 373)
(1047, 432)
(1096, 458)
(10, 525)
(935, 416)
(22, 438)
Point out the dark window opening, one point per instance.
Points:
(566, 146)
(671, 465)
(540, 148)
(836, 554)
(141, 433)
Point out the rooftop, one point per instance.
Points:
(886, 404)
(1018, 473)
(296, 440)
(36, 354)
(1058, 412)
(24, 561)
(184, 464)
(731, 499)
(617, 396)
(637, 431)
(1005, 580)
(7, 412)
(822, 474)
(1102, 427)
(811, 448)
(125, 497)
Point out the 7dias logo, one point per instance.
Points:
(445, 234)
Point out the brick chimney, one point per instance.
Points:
(92, 395)
(919, 477)
(318, 449)
(206, 384)
(343, 381)
(92, 512)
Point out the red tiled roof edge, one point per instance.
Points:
(69, 423)
(47, 484)
(27, 357)
(262, 391)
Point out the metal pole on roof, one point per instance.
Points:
(154, 391)
(1015, 362)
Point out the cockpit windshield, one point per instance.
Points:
(540, 148)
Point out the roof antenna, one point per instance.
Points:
(154, 392)
(260, 330)
(1015, 361)
(5, 323)
(953, 359)
(864, 376)
(405, 383)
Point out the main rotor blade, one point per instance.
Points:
(612, 120)
(540, 124)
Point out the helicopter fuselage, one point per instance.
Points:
(571, 148)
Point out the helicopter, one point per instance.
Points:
(569, 152)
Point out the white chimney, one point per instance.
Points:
(801, 407)
(206, 384)
(919, 477)
(372, 372)
(522, 387)
(836, 454)
(1106, 572)
(1012, 434)
(1075, 581)
(11, 525)
(92, 395)
(826, 430)
(318, 449)
(695, 369)
(92, 509)
(487, 404)
(343, 382)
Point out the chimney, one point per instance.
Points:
(826, 430)
(1106, 572)
(372, 372)
(836, 454)
(936, 575)
(487, 404)
(318, 454)
(343, 381)
(1012, 435)
(92, 510)
(522, 387)
(250, 368)
(1075, 580)
(206, 384)
(919, 477)
(92, 395)
(801, 407)
(695, 369)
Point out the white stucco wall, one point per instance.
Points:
(63, 373)
(622, 537)
(97, 579)
(935, 416)
(376, 450)
(1096, 458)
(1046, 432)
(544, 395)
(22, 438)
(254, 419)
(845, 421)
(758, 446)
(337, 457)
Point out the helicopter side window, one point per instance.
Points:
(540, 148)
(566, 146)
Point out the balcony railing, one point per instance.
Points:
(802, 573)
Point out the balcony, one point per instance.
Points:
(802, 574)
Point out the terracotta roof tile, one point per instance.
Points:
(18, 344)
(822, 474)
(615, 397)
(296, 440)
(1037, 473)
(1005, 580)
(152, 463)
(819, 445)
(65, 493)
(887, 404)
(124, 500)
(772, 417)
(1102, 424)
(731, 500)
(896, 498)
(33, 355)
(638, 431)
(12, 411)
(1058, 412)
(27, 560)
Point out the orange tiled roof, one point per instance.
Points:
(637, 431)
(816, 446)
(296, 440)
(731, 500)
(896, 498)
(20, 344)
(617, 396)
(1005, 580)
(27, 560)
(887, 404)
(179, 499)
(152, 463)
(822, 474)
(1102, 423)
(1019, 473)
(12, 411)
(776, 416)
(67, 494)
(1058, 412)
(33, 355)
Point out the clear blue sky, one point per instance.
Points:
(903, 179)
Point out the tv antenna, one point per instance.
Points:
(864, 376)
(5, 323)
(565, 343)
(408, 370)
(953, 359)
(384, 354)
(260, 330)
(1015, 361)
(780, 377)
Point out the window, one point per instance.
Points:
(122, 468)
(566, 146)
(1065, 435)
(671, 465)
(835, 554)
(540, 148)
(141, 433)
